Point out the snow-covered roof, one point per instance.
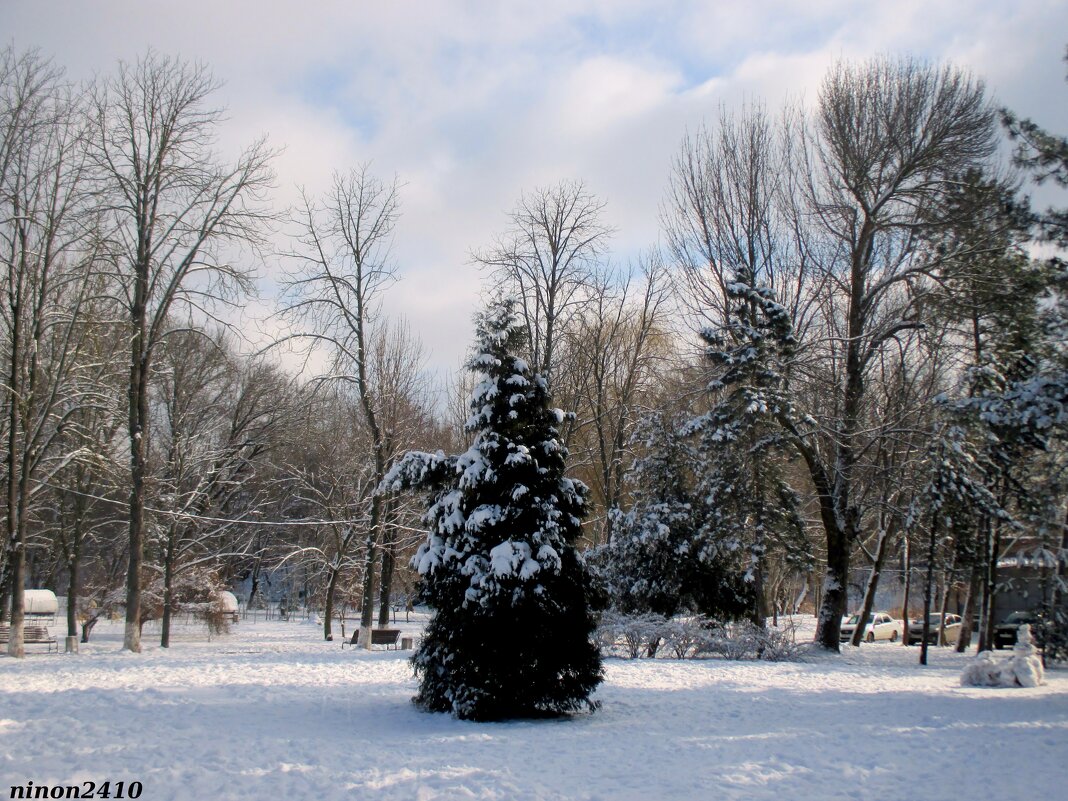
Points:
(41, 602)
(228, 601)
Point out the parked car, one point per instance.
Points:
(1005, 631)
(880, 626)
(952, 630)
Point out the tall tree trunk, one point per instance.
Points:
(873, 580)
(15, 391)
(15, 645)
(832, 594)
(168, 595)
(908, 587)
(5, 589)
(328, 610)
(835, 591)
(367, 610)
(760, 601)
(948, 578)
(138, 431)
(255, 584)
(990, 583)
(928, 588)
(388, 563)
(841, 521)
(73, 568)
(964, 639)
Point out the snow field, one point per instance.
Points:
(271, 711)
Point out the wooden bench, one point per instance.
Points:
(31, 635)
(387, 637)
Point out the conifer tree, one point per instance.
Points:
(513, 605)
(740, 442)
(1045, 156)
(953, 499)
(663, 556)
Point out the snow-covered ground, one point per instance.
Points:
(271, 711)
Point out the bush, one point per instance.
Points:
(637, 632)
(690, 637)
(745, 640)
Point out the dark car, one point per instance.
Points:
(1005, 632)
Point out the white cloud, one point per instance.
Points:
(469, 103)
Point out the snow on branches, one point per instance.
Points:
(512, 625)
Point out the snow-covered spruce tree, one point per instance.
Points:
(739, 442)
(951, 503)
(661, 558)
(513, 604)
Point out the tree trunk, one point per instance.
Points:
(873, 582)
(760, 601)
(908, 587)
(837, 526)
(384, 596)
(87, 628)
(947, 584)
(16, 558)
(137, 428)
(328, 611)
(73, 566)
(817, 593)
(367, 609)
(964, 639)
(5, 590)
(840, 518)
(15, 645)
(835, 594)
(928, 588)
(990, 583)
(168, 599)
(255, 584)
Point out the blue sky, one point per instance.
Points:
(470, 103)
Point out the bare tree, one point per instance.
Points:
(904, 379)
(548, 259)
(45, 257)
(404, 401)
(891, 138)
(328, 477)
(84, 510)
(735, 210)
(333, 299)
(172, 206)
(216, 427)
(620, 343)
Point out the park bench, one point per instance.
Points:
(387, 637)
(31, 635)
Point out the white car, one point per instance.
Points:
(950, 633)
(880, 626)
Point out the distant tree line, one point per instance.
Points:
(843, 355)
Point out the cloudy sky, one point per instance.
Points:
(470, 103)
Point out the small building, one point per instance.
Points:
(41, 606)
(1026, 583)
(228, 602)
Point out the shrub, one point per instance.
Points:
(690, 637)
